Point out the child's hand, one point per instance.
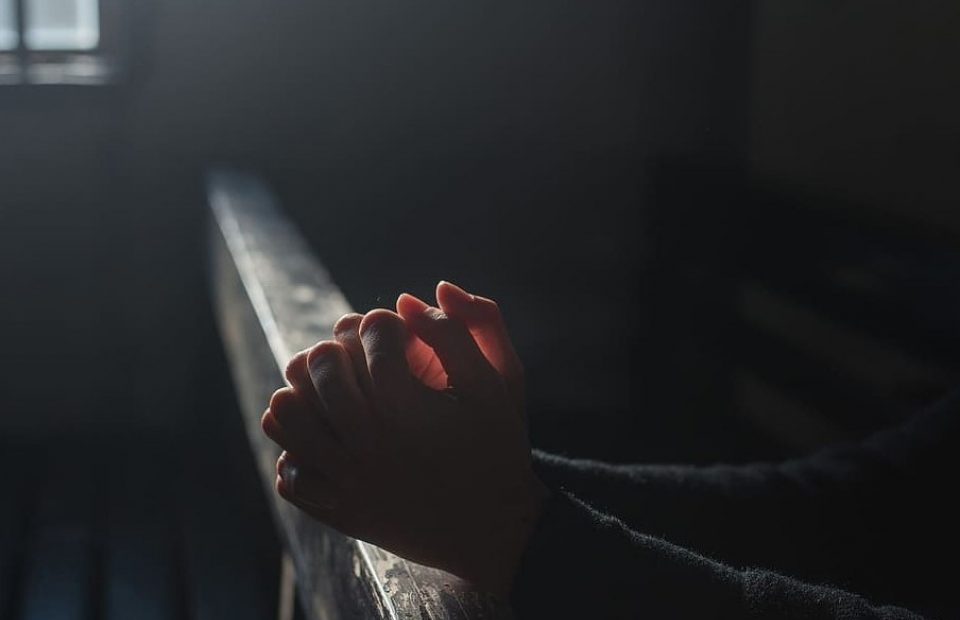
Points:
(409, 433)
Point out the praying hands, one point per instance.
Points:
(407, 430)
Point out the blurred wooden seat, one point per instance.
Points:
(815, 320)
(96, 532)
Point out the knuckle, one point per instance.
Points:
(324, 353)
(295, 366)
(379, 320)
(326, 348)
(347, 323)
(282, 399)
(382, 329)
(266, 422)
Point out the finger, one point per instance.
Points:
(297, 419)
(272, 429)
(425, 365)
(296, 427)
(298, 376)
(466, 366)
(347, 333)
(333, 377)
(307, 488)
(482, 317)
(302, 479)
(321, 495)
(322, 450)
(384, 336)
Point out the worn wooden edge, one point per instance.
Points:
(273, 298)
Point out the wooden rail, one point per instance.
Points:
(273, 298)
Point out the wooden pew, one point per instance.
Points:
(809, 319)
(273, 298)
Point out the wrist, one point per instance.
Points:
(498, 549)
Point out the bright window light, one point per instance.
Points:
(8, 26)
(61, 24)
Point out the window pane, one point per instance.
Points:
(8, 26)
(62, 24)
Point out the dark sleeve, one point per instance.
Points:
(583, 564)
(860, 514)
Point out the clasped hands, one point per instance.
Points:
(407, 430)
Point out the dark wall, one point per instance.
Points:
(497, 144)
(859, 100)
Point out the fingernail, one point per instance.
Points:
(456, 289)
(288, 474)
(322, 355)
(347, 324)
(410, 300)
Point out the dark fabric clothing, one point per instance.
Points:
(787, 540)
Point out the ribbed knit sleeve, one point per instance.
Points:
(869, 517)
(581, 563)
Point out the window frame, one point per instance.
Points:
(100, 65)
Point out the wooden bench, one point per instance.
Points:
(273, 298)
(807, 318)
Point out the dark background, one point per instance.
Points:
(518, 149)
(718, 230)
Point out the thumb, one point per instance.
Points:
(461, 358)
(482, 317)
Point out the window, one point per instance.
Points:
(61, 24)
(58, 41)
(9, 35)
